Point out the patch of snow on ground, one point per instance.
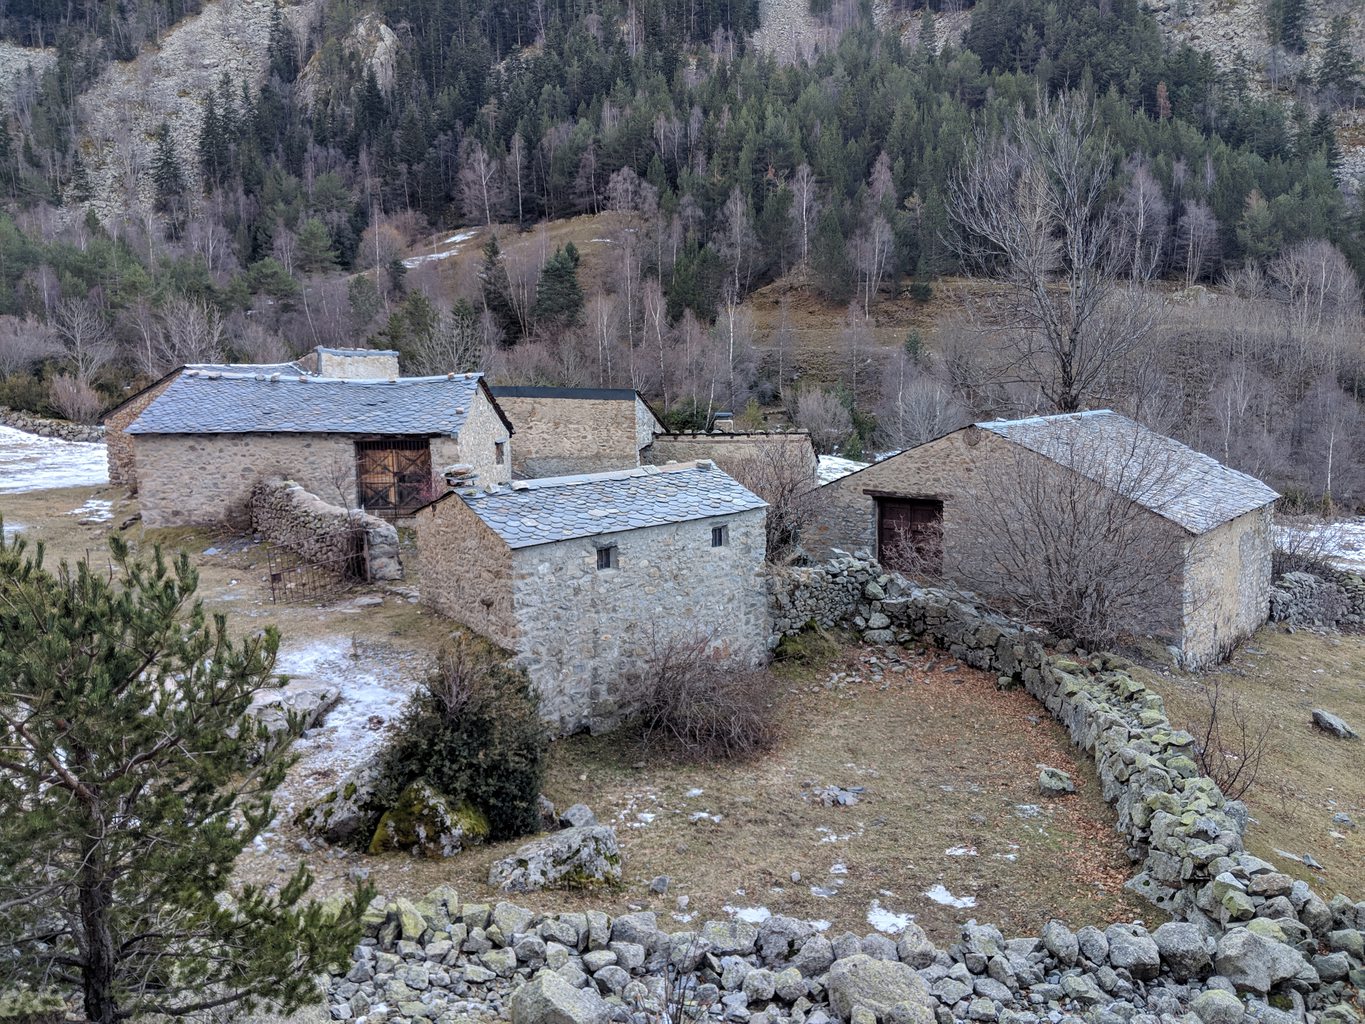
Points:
(749, 915)
(832, 467)
(960, 851)
(454, 242)
(95, 510)
(694, 792)
(888, 921)
(12, 528)
(32, 463)
(1341, 543)
(940, 894)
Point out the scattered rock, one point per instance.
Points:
(880, 986)
(549, 999)
(1054, 782)
(573, 857)
(1333, 725)
(578, 816)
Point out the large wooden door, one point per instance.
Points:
(910, 534)
(393, 476)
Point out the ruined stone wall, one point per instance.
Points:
(732, 451)
(464, 570)
(1227, 586)
(189, 479)
(476, 445)
(122, 464)
(286, 514)
(559, 436)
(580, 628)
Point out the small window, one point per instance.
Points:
(720, 536)
(499, 452)
(606, 557)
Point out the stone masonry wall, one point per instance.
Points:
(44, 426)
(730, 451)
(188, 479)
(559, 436)
(483, 429)
(122, 464)
(1227, 586)
(285, 514)
(464, 570)
(579, 629)
(1182, 831)
(371, 366)
(1306, 599)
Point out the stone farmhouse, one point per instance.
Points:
(578, 574)
(342, 363)
(205, 439)
(577, 430)
(1213, 523)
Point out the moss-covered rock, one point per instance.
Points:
(425, 823)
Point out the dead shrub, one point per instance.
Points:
(74, 399)
(691, 696)
(1229, 746)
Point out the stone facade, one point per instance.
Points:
(284, 513)
(731, 450)
(484, 443)
(351, 363)
(559, 433)
(122, 465)
(1218, 594)
(577, 628)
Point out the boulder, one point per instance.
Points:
(1333, 725)
(1254, 963)
(1215, 1006)
(1182, 949)
(346, 814)
(1054, 782)
(577, 816)
(423, 822)
(1132, 949)
(570, 858)
(880, 986)
(1061, 942)
(549, 999)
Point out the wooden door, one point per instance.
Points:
(910, 534)
(393, 476)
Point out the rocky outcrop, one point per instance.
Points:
(371, 41)
(425, 823)
(570, 858)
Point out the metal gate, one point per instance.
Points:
(295, 578)
(394, 475)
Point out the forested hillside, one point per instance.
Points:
(279, 216)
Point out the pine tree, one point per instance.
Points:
(497, 290)
(131, 778)
(282, 49)
(1286, 23)
(315, 247)
(1339, 66)
(559, 297)
(169, 182)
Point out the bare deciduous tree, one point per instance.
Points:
(781, 474)
(482, 190)
(84, 333)
(454, 344)
(1031, 209)
(915, 407)
(826, 418)
(804, 208)
(23, 344)
(74, 399)
(1230, 744)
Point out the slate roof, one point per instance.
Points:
(248, 368)
(550, 509)
(536, 391)
(1187, 487)
(211, 402)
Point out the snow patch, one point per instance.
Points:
(95, 510)
(940, 894)
(832, 467)
(960, 851)
(749, 915)
(32, 463)
(888, 921)
(455, 242)
(1341, 543)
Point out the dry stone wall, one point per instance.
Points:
(1306, 599)
(32, 423)
(286, 514)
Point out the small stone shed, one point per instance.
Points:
(1219, 520)
(577, 430)
(579, 574)
(380, 445)
(342, 363)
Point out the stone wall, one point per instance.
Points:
(1306, 599)
(464, 570)
(559, 436)
(1227, 586)
(732, 451)
(355, 364)
(285, 514)
(1182, 832)
(190, 479)
(43, 426)
(122, 461)
(483, 430)
(579, 629)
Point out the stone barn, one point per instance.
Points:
(347, 363)
(576, 574)
(739, 452)
(577, 430)
(379, 445)
(1200, 531)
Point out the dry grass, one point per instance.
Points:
(1307, 775)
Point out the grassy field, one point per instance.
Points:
(1307, 776)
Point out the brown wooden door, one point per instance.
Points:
(394, 476)
(910, 534)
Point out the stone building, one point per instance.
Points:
(735, 451)
(577, 574)
(340, 363)
(924, 510)
(208, 436)
(577, 430)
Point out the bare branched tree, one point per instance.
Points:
(1031, 210)
(782, 474)
(915, 407)
(23, 344)
(1230, 743)
(453, 344)
(84, 333)
(74, 399)
(820, 412)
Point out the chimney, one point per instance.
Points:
(724, 423)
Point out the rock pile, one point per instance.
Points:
(442, 959)
(31, 423)
(284, 513)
